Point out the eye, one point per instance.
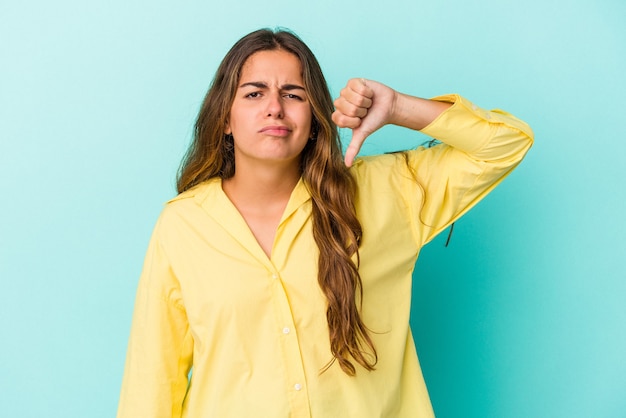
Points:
(253, 95)
(293, 96)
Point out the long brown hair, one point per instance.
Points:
(336, 229)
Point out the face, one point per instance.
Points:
(270, 118)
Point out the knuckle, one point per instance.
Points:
(341, 120)
(338, 118)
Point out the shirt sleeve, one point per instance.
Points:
(479, 149)
(160, 348)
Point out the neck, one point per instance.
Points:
(263, 185)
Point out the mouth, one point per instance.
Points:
(275, 130)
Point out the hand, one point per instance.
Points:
(364, 106)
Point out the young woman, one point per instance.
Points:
(278, 282)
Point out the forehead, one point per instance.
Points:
(278, 65)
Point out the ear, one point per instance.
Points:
(227, 130)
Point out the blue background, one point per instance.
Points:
(523, 315)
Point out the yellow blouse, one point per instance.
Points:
(221, 330)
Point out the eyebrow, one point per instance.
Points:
(262, 85)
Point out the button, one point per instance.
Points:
(297, 386)
(274, 276)
(474, 107)
(286, 330)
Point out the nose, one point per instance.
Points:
(274, 106)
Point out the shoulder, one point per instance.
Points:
(196, 195)
(188, 205)
(185, 216)
(387, 167)
(382, 162)
(388, 179)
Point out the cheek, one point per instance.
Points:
(237, 118)
(234, 122)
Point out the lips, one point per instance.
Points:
(275, 130)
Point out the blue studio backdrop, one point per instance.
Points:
(522, 315)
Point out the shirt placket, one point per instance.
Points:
(297, 391)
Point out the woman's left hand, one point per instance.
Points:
(364, 106)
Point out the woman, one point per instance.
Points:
(277, 283)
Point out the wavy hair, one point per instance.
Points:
(336, 229)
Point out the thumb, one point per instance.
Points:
(358, 137)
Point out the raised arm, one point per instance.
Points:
(480, 148)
